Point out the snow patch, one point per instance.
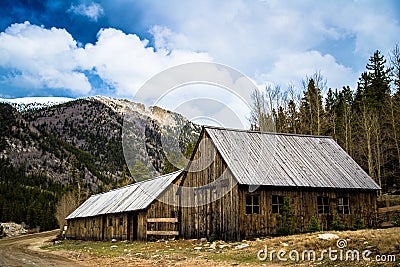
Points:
(27, 103)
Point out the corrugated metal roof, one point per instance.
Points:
(136, 196)
(257, 158)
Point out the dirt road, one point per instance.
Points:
(24, 251)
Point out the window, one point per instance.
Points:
(94, 224)
(110, 222)
(343, 205)
(277, 203)
(153, 213)
(121, 221)
(224, 182)
(323, 204)
(252, 204)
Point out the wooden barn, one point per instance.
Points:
(241, 179)
(133, 212)
(234, 188)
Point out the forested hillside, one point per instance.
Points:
(28, 198)
(77, 147)
(365, 121)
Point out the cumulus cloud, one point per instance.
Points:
(93, 11)
(292, 68)
(126, 62)
(255, 36)
(35, 57)
(270, 41)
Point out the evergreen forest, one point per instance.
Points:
(365, 121)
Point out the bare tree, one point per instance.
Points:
(260, 116)
(319, 81)
(67, 204)
(395, 109)
(394, 56)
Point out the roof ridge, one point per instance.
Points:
(260, 132)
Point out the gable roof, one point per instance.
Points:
(135, 196)
(259, 158)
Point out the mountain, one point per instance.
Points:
(38, 152)
(83, 137)
(49, 150)
(29, 103)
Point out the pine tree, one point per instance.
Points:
(73, 171)
(343, 101)
(140, 172)
(168, 165)
(125, 178)
(281, 121)
(371, 106)
(292, 118)
(378, 88)
(329, 124)
(311, 110)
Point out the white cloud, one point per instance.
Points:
(93, 11)
(36, 57)
(126, 62)
(41, 58)
(225, 107)
(254, 36)
(292, 68)
(270, 41)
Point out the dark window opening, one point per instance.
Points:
(153, 212)
(277, 203)
(94, 223)
(343, 205)
(253, 204)
(225, 182)
(121, 221)
(323, 204)
(110, 222)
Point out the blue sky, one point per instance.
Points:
(84, 48)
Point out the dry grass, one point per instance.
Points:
(183, 252)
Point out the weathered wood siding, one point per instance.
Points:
(116, 226)
(89, 228)
(304, 203)
(226, 217)
(134, 223)
(210, 175)
(165, 206)
(121, 227)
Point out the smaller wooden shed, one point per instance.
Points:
(133, 212)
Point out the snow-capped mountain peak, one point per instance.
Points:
(25, 103)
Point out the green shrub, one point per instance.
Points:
(212, 238)
(337, 223)
(314, 225)
(358, 223)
